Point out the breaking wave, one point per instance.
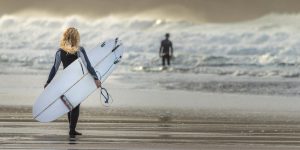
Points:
(268, 46)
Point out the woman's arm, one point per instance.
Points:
(55, 67)
(89, 67)
(87, 63)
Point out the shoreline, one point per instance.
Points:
(115, 129)
(152, 119)
(158, 115)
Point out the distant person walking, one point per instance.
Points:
(166, 50)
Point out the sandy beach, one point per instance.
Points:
(151, 119)
(149, 130)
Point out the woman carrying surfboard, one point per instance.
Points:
(68, 52)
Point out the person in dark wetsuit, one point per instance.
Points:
(166, 50)
(68, 52)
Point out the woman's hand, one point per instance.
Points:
(98, 83)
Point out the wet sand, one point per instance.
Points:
(151, 119)
(152, 129)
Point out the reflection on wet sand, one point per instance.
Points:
(159, 130)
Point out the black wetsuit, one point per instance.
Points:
(166, 51)
(67, 59)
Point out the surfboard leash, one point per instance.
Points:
(108, 98)
(103, 92)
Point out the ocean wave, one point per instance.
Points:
(249, 38)
(254, 66)
(268, 46)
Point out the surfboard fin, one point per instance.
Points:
(103, 44)
(116, 47)
(116, 61)
(116, 40)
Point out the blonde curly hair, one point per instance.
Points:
(70, 40)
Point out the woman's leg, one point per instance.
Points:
(69, 117)
(74, 114)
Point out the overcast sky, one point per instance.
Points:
(191, 10)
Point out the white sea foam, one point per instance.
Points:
(268, 46)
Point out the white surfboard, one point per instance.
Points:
(75, 83)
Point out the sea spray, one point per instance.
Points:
(267, 46)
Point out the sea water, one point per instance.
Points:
(253, 57)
